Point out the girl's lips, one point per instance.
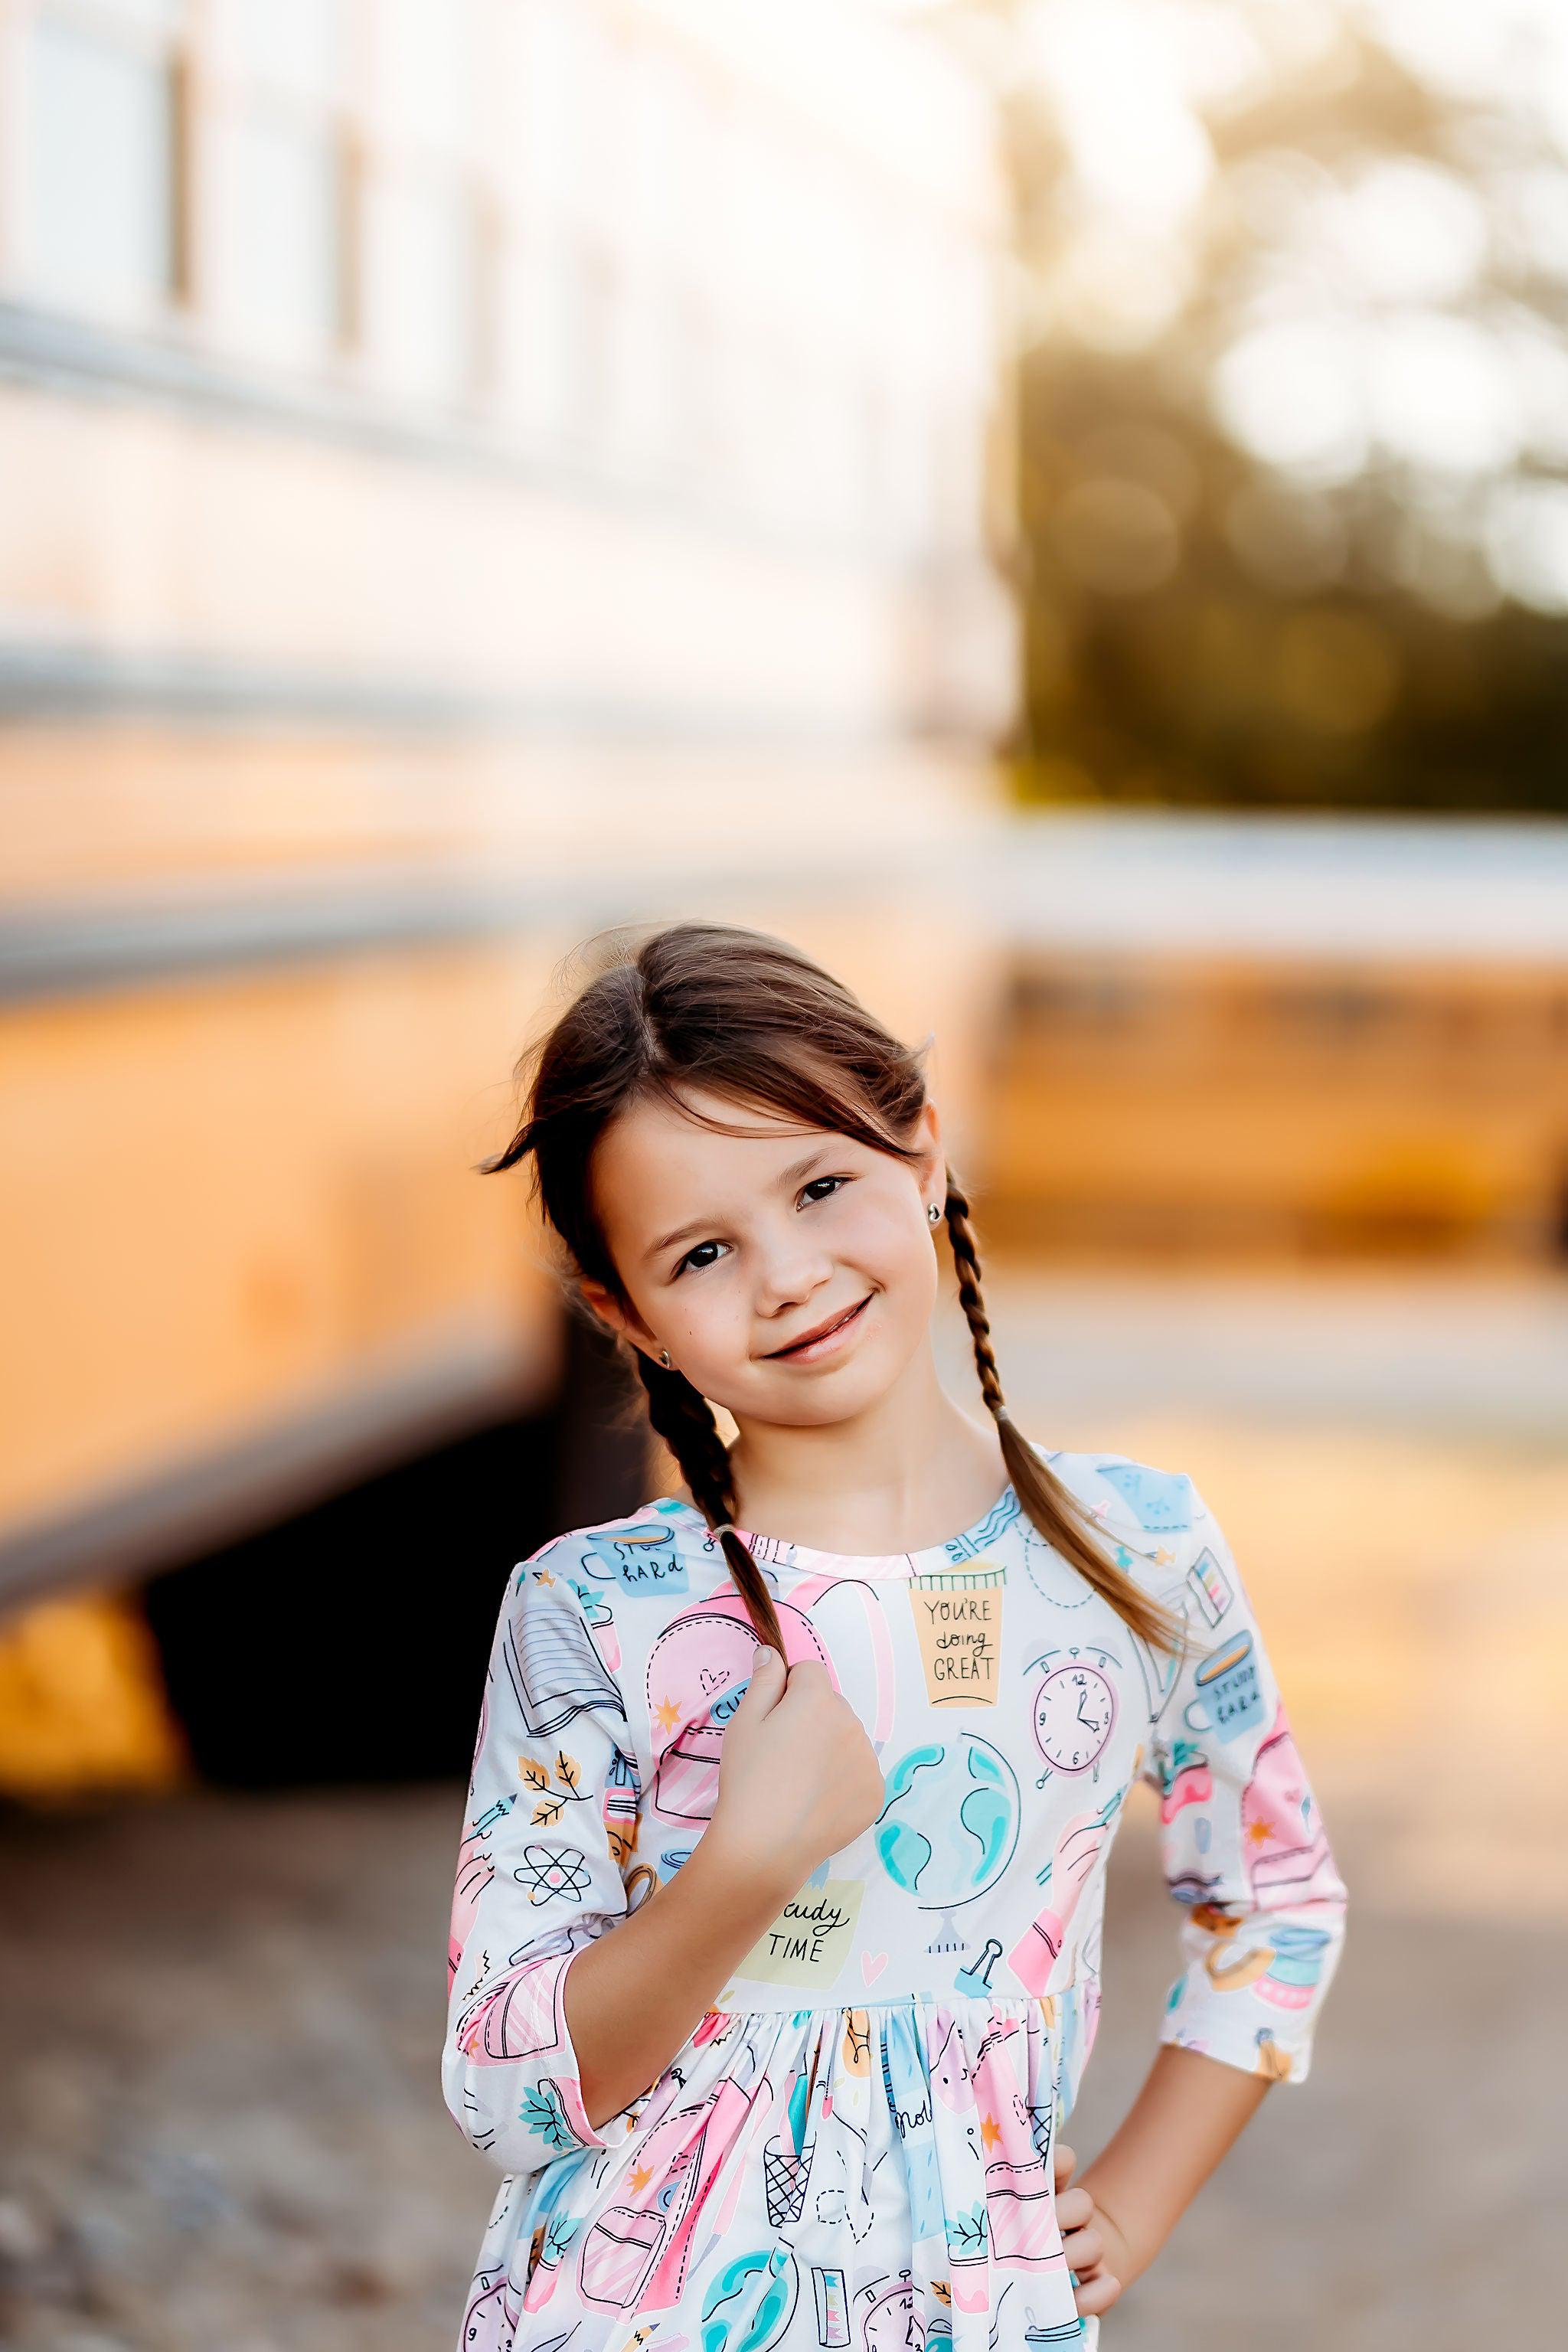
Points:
(805, 1350)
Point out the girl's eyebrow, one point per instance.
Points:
(790, 1175)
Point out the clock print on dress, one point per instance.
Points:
(1074, 1708)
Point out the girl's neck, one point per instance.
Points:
(909, 1470)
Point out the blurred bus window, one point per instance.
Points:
(102, 172)
(279, 276)
(428, 252)
(427, 291)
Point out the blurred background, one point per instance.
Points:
(1059, 508)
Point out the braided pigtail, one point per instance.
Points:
(1052, 1507)
(682, 1416)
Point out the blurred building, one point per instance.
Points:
(476, 470)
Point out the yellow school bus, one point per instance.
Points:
(475, 475)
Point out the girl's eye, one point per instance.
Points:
(693, 1256)
(698, 1263)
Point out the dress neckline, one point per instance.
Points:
(952, 1552)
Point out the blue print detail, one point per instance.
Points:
(1160, 1500)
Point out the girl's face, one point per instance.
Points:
(734, 1248)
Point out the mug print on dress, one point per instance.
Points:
(854, 2148)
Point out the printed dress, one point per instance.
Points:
(854, 2146)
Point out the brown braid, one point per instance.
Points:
(966, 1257)
(682, 1416)
(746, 1016)
(1052, 1505)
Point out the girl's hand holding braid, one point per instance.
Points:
(798, 1780)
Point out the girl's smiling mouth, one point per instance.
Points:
(820, 1341)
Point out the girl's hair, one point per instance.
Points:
(746, 1016)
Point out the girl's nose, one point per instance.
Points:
(789, 1277)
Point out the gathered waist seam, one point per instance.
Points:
(1017, 2001)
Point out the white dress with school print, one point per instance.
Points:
(854, 2146)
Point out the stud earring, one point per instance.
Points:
(664, 1358)
(933, 1214)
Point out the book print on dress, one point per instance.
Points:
(556, 1672)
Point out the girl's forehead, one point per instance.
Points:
(656, 1138)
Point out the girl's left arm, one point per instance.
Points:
(1244, 1852)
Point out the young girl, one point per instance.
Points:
(774, 1954)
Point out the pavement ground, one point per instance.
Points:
(220, 2121)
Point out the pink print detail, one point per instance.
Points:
(950, 2064)
(490, 2321)
(1020, 2199)
(1035, 1955)
(697, 1671)
(1192, 1785)
(475, 1872)
(519, 2018)
(1286, 1995)
(634, 2256)
(1281, 1836)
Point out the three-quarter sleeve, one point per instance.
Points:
(1242, 1842)
(540, 1873)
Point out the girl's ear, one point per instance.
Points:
(609, 1310)
(928, 1135)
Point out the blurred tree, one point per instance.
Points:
(1293, 396)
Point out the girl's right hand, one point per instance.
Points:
(798, 1780)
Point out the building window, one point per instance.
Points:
(280, 196)
(431, 242)
(104, 168)
(429, 293)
